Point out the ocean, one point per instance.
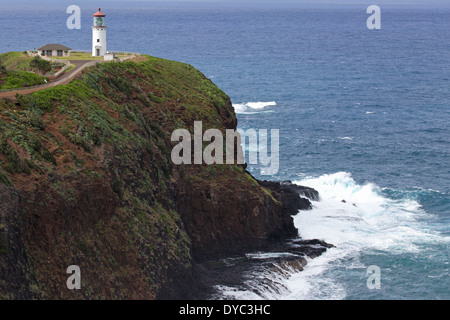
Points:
(363, 117)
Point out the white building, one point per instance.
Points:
(109, 56)
(54, 50)
(99, 35)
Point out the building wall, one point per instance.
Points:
(54, 53)
(109, 57)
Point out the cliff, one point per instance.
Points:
(86, 179)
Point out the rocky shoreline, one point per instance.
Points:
(257, 271)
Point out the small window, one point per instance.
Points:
(98, 40)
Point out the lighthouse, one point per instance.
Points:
(99, 35)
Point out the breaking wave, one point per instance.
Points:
(250, 107)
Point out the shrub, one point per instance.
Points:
(155, 98)
(19, 79)
(47, 156)
(15, 164)
(4, 178)
(41, 100)
(40, 65)
(82, 141)
(33, 118)
(34, 143)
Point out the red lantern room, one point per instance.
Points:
(99, 19)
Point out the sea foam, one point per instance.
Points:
(250, 107)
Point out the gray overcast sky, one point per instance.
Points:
(105, 2)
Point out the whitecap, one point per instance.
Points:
(261, 105)
(345, 138)
(246, 108)
(269, 255)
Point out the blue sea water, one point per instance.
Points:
(363, 117)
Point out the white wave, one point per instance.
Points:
(236, 294)
(345, 138)
(261, 105)
(269, 255)
(370, 112)
(239, 108)
(312, 284)
(356, 218)
(361, 216)
(246, 108)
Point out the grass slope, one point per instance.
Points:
(18, 70)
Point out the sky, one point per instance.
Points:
(40, 3)
(219, 4)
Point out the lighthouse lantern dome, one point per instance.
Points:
(99, 18)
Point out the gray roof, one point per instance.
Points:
(54, 47)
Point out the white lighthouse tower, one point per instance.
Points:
(99, 35)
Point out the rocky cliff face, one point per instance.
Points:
(86, 179)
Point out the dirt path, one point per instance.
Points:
(65, 78)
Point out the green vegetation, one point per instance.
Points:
(153, 83)
(15, 61)
(18, 70)
(4, 178)
(20, 79)
(41, 65)
(20, 61)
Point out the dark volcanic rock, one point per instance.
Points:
(253, 271)
(225, 218)
(292, 196)
(311, 248)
